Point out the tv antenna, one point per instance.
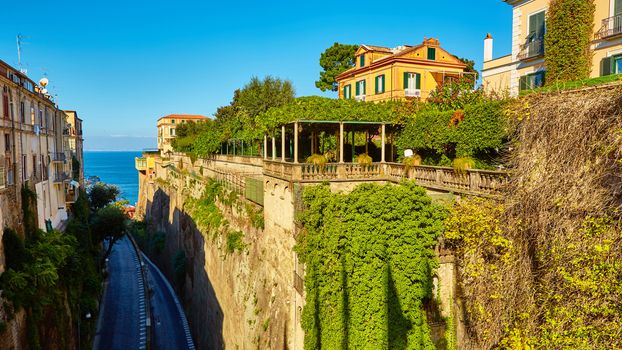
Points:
(19, 39)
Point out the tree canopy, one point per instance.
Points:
(334, 61)
(101, 194)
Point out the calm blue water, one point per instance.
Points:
(116, 168)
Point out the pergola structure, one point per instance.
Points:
(302, 138)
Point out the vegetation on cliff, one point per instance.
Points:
(542, 267)
(369, 259)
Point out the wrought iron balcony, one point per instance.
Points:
(531, 49)
(58, 157)
(610, 27)
(60, 177)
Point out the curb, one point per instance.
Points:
(180, 309)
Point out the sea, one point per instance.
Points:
(115, 168)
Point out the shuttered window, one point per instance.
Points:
(412, 81)
(431, 53)
(617, 7)
(611, 65)
(360, 87)
(532, 81)
(362, 60)
(380, 84)
(536, 26)
(347, 91)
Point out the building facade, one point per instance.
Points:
(33, 153)
(75, 144)
(167, 127)
(382, 73)
(524, 68)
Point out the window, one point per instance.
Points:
(5, 104)
(347, 92)
(412, 81)
(536, 27)
(360, 88)
(22, 112)
(532, 81)
(32, 115)
(172, 131)
(380, 84)
(611, 65)
(34, 165)
(173, 121)
(432, 53)
(362, 60)
(24, 167)
(7, 142)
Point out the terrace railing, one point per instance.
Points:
(531, 49)
(440, 178)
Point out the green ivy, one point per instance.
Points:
(369, 256)
(569, 30)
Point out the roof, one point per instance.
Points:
(184, 116)
(397, 55)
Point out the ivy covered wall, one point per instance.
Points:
(370, 259)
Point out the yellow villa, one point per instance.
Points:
(167, 127)
(524, 69)
(382, 73)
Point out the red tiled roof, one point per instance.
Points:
(184, 116)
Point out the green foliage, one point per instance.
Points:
(364, 159)
(456, 94)
(14, 250)
(29, 211)
(204, 210)
(109, 223)
(369, 257)
(159, 242)
(75, 168)
(434, 135)
(569, 30)
(334, 61)
(576, 84)
(461, 165)
(317, 159)
(101, 194)
(255, 215)
(179, 268)
(235, 242)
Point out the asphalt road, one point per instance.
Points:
(122, 319)
(170, 329)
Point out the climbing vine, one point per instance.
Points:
(569, 30)
(369, 257)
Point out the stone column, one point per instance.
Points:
(382, 158)
(273, 148)
(265, 146)
(296, 142)
(341, 142)
(283, 143)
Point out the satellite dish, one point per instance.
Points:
(43, 82)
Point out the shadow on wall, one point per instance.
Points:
(195, 289)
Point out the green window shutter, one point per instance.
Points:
(523, 83)
(431, 53)
(406, 80)
(418, 83)
(364, 87)
(358, 89)
(376, 88)
(362, 60)
(383, 86)
(606, 66)
(536, 26)
(617, 7)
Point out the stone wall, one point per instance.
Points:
(241, 300)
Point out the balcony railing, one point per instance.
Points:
(481, 182)
(412, 92)
(141, 163)
(60, 177)
(610, 27)
(531, 49)
(58, 157)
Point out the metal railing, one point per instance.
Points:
(474, 181)
(141, 163)
(58, 157)
(610, 26)
(531, 49)
(60, 176)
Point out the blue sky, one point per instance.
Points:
(123, 64)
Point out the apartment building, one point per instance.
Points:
(167, 127)
(382, 73)
(32, 141)
(75, 144)
(524, 68)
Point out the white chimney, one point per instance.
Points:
(488, 48)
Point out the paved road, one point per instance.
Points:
(170, 328)
(122, 318)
